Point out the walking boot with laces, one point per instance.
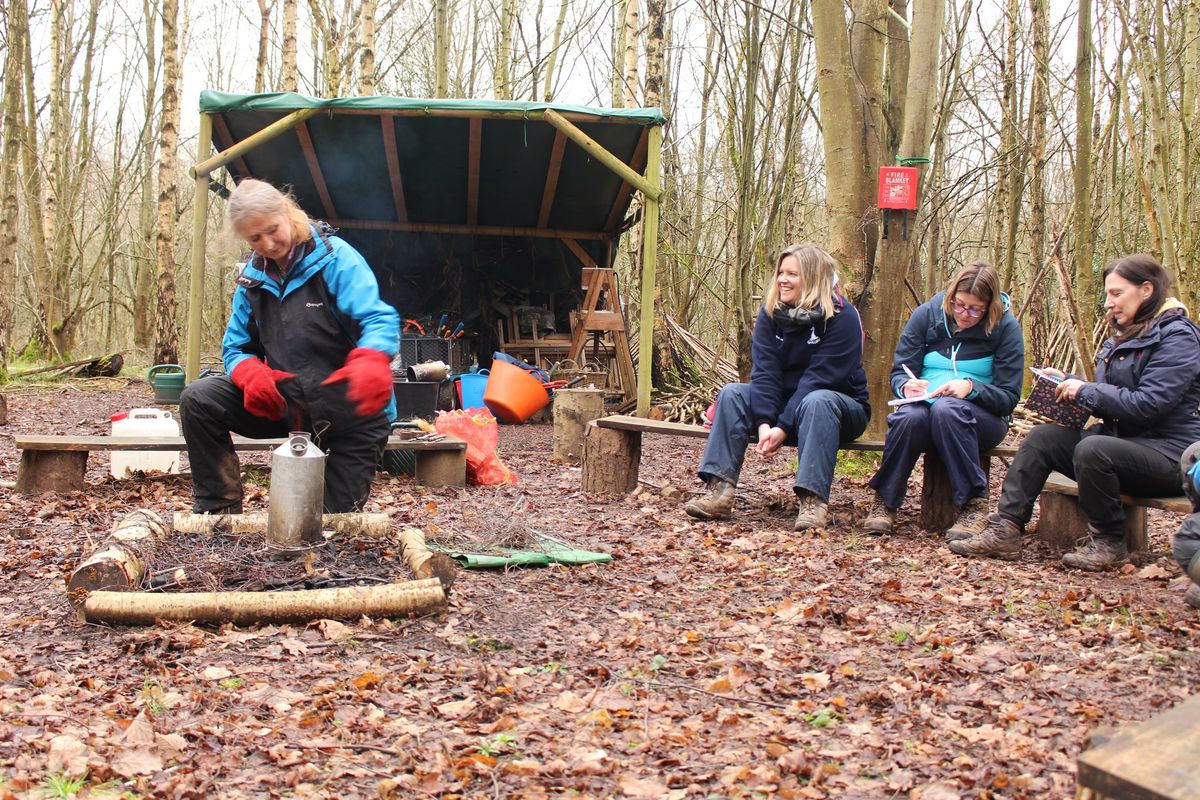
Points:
(1097, 551)
(1001, 538)
(880, 518)
(814, 512)
(717, 504)
(972, 519)
(1192, 596)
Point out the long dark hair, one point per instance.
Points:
(1141, 268)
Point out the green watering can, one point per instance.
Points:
(167, 380)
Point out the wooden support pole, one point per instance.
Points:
(649, 262)
(598, 152)
(552, 170)
(221, 129)
(314, 169)
(247, 608)
(195, 326)
(118, 565)
(388, 125)
(621, 203)
(378, 525)
(280, 126)
(474, 151)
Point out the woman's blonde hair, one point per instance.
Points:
(255, 198)
(981, 279)
(818, 273)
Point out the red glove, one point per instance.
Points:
(369, 373)
(257, 382)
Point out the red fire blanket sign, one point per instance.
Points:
(898, 188)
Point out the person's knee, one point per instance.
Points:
(909, 420)
(1039, 439)
(1186, 546)
(950, 411)
(1092, 452)
(821, 401)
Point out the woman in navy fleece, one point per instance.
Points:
(807, 388)
(965, 347)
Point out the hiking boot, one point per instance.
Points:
(880, 518)
(1192, 596)
(717, 504)
(972, 519)
(814, 512)
(1096, 552)
(1000, 538)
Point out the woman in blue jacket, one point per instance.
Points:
(807, 388)
(308, 347)
(965, 348)
(1146, 394)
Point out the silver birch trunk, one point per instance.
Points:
(166, 338)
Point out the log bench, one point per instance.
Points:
(1154, 759)
(58, 463)
(1062, 522)
(612, 450)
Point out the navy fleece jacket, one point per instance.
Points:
(788, 365)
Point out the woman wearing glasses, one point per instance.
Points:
(1145, 395)
(961, 352)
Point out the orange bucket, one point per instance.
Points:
(512, 393)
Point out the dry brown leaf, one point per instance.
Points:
(633, 786)
(215, 673)
(334, 631)
(815, 681)
(456, 709)
(589, 762)
(68, 755)
(570, 702)
(137, 761)
(140, 732)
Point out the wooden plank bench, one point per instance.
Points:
(58, 463)
(1062, 522)
(612, 450)
(1154, 760)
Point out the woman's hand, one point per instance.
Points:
(914, 387)
(769, 440)
(1068, 390)
(1054, 373)
(960, 388)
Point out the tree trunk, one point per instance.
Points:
(502, 79)
(166, 344)
(655, 52)
(1013, 168)
(552, 56)
(1085, 281)
(366, 57)
(289, 73)
(264, 33)
(746, 210)
(629, 71)
(1038, 111)
(441, 48)
(17, 35)
(145, 265)
(891, 271)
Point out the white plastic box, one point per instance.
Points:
(144, 422)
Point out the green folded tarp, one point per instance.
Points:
(553, 552)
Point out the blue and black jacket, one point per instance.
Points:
(790, 364)
(308, 321)
(995, 362)
(1147, 388)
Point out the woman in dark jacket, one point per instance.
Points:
(965, 349)
(1146, 394)
(807, 387)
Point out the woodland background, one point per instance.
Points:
(1060, 135)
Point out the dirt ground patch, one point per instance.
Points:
(708, 660)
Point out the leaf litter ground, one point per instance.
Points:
(709, 660)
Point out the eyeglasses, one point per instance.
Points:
(973, 313)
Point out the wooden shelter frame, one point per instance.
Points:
(649, 184)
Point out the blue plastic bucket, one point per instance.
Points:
(470, 387)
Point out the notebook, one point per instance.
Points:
(1041, 403)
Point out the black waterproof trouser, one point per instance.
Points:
(211, 409)
(1103, 466)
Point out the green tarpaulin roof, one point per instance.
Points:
(417, 185)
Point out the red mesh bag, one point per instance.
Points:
(478, 428)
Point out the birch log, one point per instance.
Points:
(122, 560)
(367, 524)
(246, 608)
(423, 562)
